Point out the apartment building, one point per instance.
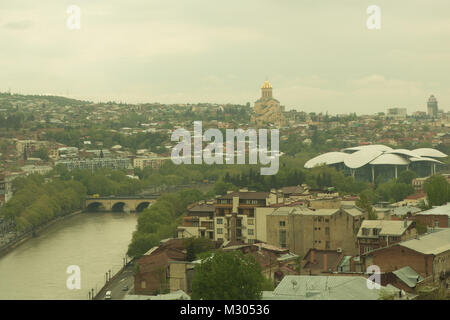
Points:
(375, 234)
(300, 229)
(96, 163)
(235, 215)
(154, 162)
(198, 222)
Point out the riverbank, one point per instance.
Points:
(30, 234)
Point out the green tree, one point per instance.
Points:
(407, 177)
(228, 276)
(437, 189)
(364, 203)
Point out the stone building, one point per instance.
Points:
(300, 229)
(428, 255)
(267, 109)
(375, 234)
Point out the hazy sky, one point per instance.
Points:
(318, 54)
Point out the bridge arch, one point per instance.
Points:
(119, 206)
(95, 206)
(142, 206)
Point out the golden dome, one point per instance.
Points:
(266, 85)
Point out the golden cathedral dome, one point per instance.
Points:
(266, 85)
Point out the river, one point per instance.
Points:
(96, 242)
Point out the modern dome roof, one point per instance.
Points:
(357, 157)
(429, 152)
(362, 157)
(327, 158)
(417, 159)
(390, 159)
(377, 147)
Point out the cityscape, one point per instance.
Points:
(270, 198)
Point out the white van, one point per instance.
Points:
(108, 295)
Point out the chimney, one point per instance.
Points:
(325, 265)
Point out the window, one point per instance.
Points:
(220, 221)
(250, 232)
(250, 222)
(365, 231)
(195, 224)
(143, 284)
(283, 238)
(327, 245)
(327, 230)
(376, 231)
(436, 223)
(219, 230)
(282, 223)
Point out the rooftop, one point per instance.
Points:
(323, 288)
(432, 243)
(441, 210)
(386, 227)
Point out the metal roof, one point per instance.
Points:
(327, 158)
(408, 276)
(429, 152)
(323, 288)
(390, 159)
(441, 210)
(361, 158)
(387, 227)
(432, 243)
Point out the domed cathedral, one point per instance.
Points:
(267, 109)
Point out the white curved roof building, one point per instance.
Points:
(326, 158)
(373, 155)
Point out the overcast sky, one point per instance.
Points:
(318, 54)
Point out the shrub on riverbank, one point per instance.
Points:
(161, 220)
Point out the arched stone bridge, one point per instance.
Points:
(126, 203)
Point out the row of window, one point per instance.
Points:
(250, 232)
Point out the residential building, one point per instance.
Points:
(375, 234)
(437, 217)
(180, 275)
(154, 162)
(397, 113)
(153, 267)
(96, 163)
(198, 222)
(428, 255)
(300, 229)
(30, 169)
(235, 215)
(316, 262)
